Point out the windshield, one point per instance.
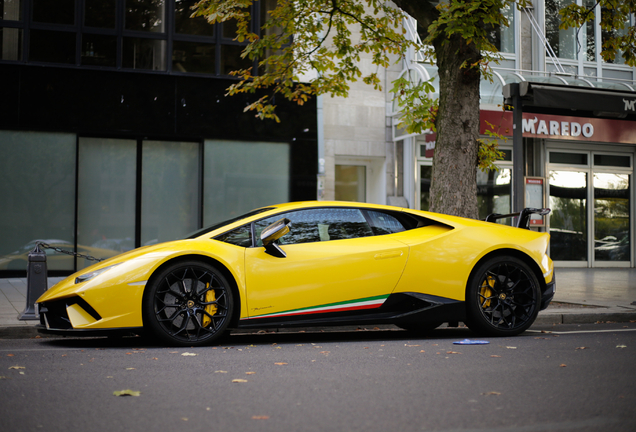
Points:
(202, 231)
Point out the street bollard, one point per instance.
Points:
(36, 282)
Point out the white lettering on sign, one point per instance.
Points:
(540, 127)
(630, 105)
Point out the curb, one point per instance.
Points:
(29, 331)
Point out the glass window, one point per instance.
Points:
(144, 15)
(10, 44)
(241, 236)
(503, 38)
(193, 57)
(351, 183)
(54, 11)
(100, 13)
(231, 59)
(42, 201)
(99, 50)
(563, 42)
(612, 160)
(568, 158)
(611, 217)
(169, 190)
(184, 24)
(494, 193)
(590, 34)
(607, 34)
(106, 197)
(426, 173)
(568, 220)
(240, 176)
(384, 223)
(140, 53)
(11, 10)
(314, 225)
(52, 46)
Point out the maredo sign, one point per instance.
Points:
(561, 127)
(552, 127)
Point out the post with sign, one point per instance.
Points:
(535, 198)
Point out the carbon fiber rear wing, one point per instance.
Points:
(523, 215)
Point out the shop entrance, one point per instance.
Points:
(590, 197)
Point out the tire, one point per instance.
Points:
(503, 297)
(187, 304)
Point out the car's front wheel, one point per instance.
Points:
(187, 304)
(503, 297)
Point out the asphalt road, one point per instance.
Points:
(573, 378)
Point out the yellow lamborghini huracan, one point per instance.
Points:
(313, 263)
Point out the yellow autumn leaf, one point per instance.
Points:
(127, 393)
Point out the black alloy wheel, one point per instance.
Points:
(188, 304)
(503, 297)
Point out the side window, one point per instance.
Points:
(323, 224)
(384, 223)
(241, 236)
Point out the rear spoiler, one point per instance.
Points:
(524, 216)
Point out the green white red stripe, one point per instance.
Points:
(350, 305)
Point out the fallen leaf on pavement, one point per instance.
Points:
(563, 365)
(452, 352)
(250, 373)
(495, 356)
(511, 347)
(581, 348)
(491, 393)
(280, 363)
(239, 380)
(621, 346)
(260, 417)
(187, 354)
(127, 393)
(220, 371)
(17, 367)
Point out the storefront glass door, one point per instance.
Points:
(597, 235)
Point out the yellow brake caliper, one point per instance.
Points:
(210, 296)
(486, 291)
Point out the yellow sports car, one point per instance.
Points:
(309, 264)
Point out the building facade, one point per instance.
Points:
(578, 160)
(115, 131)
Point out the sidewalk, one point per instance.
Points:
(582, 296)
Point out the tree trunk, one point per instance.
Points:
(454, 180)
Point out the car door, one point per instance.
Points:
(334, 263)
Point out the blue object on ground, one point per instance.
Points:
(471, 342)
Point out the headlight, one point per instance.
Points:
(91, 275)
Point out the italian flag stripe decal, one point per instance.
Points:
(351, 305)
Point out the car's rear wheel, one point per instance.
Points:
(188, 304)
(503, 297)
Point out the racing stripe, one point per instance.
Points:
(350, 305)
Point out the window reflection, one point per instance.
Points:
(193, 57)
(611, 217)
(494, 192)
(140, 53)
(503, 38)
(100, 13)
(145, 15)
(563, 42)
(99, 50)
(184, 24)
(231, 59)
(11, 10)
(568, 220)
(10, 44)
(316, 225)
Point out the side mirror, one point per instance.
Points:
(272, 233)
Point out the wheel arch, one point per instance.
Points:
(236, 312)
(507, 252)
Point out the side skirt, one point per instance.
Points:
(398, 308)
